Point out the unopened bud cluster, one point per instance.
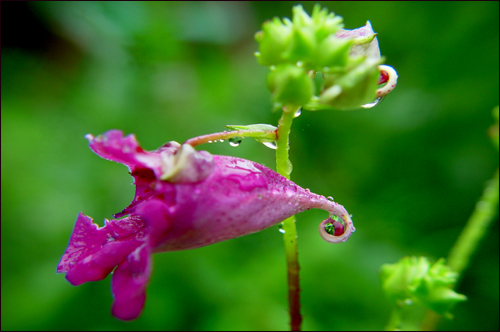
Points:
(296, 50)
(415, 280)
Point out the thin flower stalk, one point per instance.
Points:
(284, 167)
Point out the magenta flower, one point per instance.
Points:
(184, 199)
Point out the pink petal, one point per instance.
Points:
(126, 150)
(93, 252)
(129, 283)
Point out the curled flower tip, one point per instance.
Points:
(389, 76)
(336, 229)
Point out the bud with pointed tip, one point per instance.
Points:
(273, 42)
(354, 88)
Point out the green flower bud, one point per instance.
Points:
(290, 85)
(354, 88)
(274, 40)
(348, 59)
(302, 46)
(414, 280)
(352, 73)
(326, 23)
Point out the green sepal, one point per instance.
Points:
(358, 86)
(302, 46)
(260, 132)
(333, 53)
(365, 40)
(325, 23)
(260, 126)
(290, 85)
(300, 17)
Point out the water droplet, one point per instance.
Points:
(334, 227)
(370, 105)
(271, 145)
(330, 198)
(210, 141)
(299, 63)
(329, 228)
(297, 113)
(221, 140)
(280, 228)
(235, 141)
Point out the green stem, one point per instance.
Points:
(394, 320)
(284, 167)
(476, 227)
(468, 241)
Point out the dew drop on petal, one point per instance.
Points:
(329, 228)
(335, 228)
(281, 229)
(271, 145)
(376, 102)
(330, 198)
(297, 113)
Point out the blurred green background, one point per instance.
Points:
(410, 170)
